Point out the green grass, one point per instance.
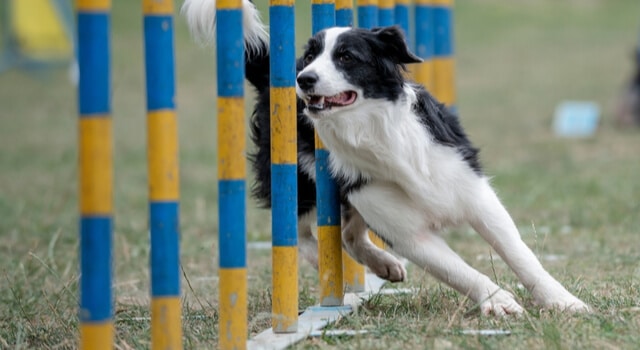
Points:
(575, 200)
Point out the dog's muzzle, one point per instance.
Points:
(316, 103)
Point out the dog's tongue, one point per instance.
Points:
(342, 98)
(324, 102)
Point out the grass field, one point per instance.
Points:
(577, 202)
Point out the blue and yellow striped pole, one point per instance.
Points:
(95, 142)
(386, 13)
(352, 272)
(163, 172)
(284, 176)
(443, 62)
(402, 19)
(328, 196)
(344, 13)
(424, 37)
(231, 176)
(367, 13)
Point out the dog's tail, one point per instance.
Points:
(201, 18)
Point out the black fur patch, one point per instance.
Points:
(347, 187)
(445, 127)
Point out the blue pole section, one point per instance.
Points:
(344, 13)
(367, 13)
(402, 19)
(386, 13)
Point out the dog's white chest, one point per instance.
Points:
(370, 145)
(398, 149)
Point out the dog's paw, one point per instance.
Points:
(555, 297)
(500, 303)
(566, 303)
(387, 267)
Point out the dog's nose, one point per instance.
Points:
(307, 80)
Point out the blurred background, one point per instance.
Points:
(517, 62)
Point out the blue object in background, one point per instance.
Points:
(576, 119)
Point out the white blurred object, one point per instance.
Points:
(576, 119)
(73, 73)
(485, 332)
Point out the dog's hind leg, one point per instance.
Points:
(492, 221)
(356, 241)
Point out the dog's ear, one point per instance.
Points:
(394, 44)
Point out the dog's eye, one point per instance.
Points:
(345, 57)
(308, 59)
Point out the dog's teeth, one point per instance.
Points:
(316, 102)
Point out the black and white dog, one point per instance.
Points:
(404, 164)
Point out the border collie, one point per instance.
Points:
(405, 167)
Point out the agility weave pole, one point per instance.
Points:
(284, 169)
(353, 274)
(231, 176)
(328, 194)
(164, 177)
(95, 142)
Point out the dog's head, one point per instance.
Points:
(343, 67)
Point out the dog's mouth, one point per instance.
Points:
(317, 103)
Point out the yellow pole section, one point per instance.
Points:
(353, 274)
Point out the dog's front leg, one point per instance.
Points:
(390, 211)
(492, 221)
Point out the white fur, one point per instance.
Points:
(417, 187)
(201, 18)
(307, 242)
(308, 164)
